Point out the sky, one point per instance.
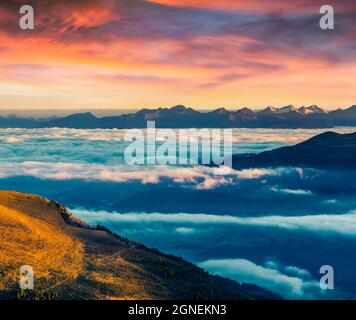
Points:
(129, 54)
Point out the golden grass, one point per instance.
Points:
(33, 233)
(80, 263)
(30, 241)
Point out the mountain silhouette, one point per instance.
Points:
(326, 150)
(288, 117)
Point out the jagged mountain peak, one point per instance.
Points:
(268, 110)
(286, 109)
(245, 110)
(221, 110)
(180, 116)
(313, 109)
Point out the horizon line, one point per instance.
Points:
(237, 108)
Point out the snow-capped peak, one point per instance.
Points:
(311, 110)
(286, 109)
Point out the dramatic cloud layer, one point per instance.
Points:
(118, 53)
(198, 176)
(236, 225)
(343, 224)
(290, 282)
(98, 155)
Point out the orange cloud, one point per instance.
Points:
(116, 53)
(272, 6)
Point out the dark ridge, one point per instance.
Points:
(326, 150)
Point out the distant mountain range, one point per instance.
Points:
(326, 150)
(183, 117)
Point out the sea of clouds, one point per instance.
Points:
(271, 227)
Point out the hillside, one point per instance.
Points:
(326, 150)
(73, 261)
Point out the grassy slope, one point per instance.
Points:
(81, 263)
